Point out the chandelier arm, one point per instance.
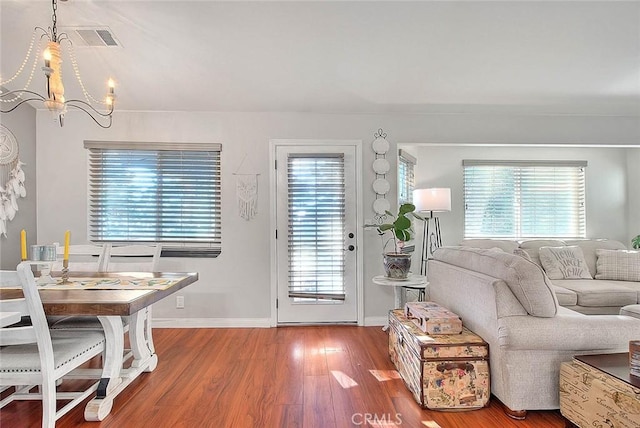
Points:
(19, 104)
(89, 106)
(88, 112)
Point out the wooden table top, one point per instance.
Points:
(616, 365)
(104, 302)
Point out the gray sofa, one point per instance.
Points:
(588, 296)
(509, 301)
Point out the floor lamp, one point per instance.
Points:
(427, 202)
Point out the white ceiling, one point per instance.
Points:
(349, 57)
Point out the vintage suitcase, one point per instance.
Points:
(443, 372)
(591, 398)
(432, 318)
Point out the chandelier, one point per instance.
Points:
(54, 99)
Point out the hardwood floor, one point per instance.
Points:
(279, 377)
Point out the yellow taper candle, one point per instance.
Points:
(67, 238)
(23, 244)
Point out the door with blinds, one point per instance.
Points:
(316, 234)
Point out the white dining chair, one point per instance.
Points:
(83, 258)
(132, 258)
(35, 355)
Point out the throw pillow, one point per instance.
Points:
(522, 253)
(618, 265)
(564, 263)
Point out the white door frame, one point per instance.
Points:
(273, 144)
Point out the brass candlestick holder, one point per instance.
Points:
(65, 271)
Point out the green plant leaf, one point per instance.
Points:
(402, 223)
(635, 242)
(405, 209)
(403, 235)
(385, 226)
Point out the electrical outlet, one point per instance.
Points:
(179, 302)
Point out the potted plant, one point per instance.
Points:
(635, 242)
(396, 262)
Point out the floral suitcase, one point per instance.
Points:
(432, 318)
(443, 372)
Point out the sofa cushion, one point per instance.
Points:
(506, 245)
(600, 292)
(589, 247)
(564, 263)
(618, 265)
(533, 245)
(526, 281)
(565, 296)
(522, 253)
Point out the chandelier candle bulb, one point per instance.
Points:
(47, 58)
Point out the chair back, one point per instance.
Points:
(133, 258)
(30, 305)
(83, 258)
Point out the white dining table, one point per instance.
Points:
(8, 318)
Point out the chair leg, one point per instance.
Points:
(48, 390)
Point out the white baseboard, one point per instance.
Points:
(235, 322)
(374, 321)
(211, 322)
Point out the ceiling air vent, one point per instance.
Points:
(92, 36)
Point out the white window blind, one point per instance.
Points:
(406, 178)
(156, 192)
(316, 205)
(523, 199)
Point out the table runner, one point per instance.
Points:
(122, 283)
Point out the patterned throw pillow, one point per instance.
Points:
(564, 263)
(618, 265)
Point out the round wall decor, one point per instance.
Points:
(381, 166)
(381, 186)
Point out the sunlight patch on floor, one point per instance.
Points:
(385, 375)
(344, 380)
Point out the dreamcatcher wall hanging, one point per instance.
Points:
(246, 193)
(11, 178)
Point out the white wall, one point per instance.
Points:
(234, 288)
(606, 182)
(633, 194)
(22, 124)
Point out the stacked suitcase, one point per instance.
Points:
(442, 371)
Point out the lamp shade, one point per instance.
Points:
(434, 199)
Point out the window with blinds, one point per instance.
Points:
(406, 178)
(316, 231)
(156, 192)
(522, 199)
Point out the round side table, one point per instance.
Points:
(400, 286)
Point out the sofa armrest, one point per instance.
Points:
(568, 332)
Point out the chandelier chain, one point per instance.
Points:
(54, 19)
